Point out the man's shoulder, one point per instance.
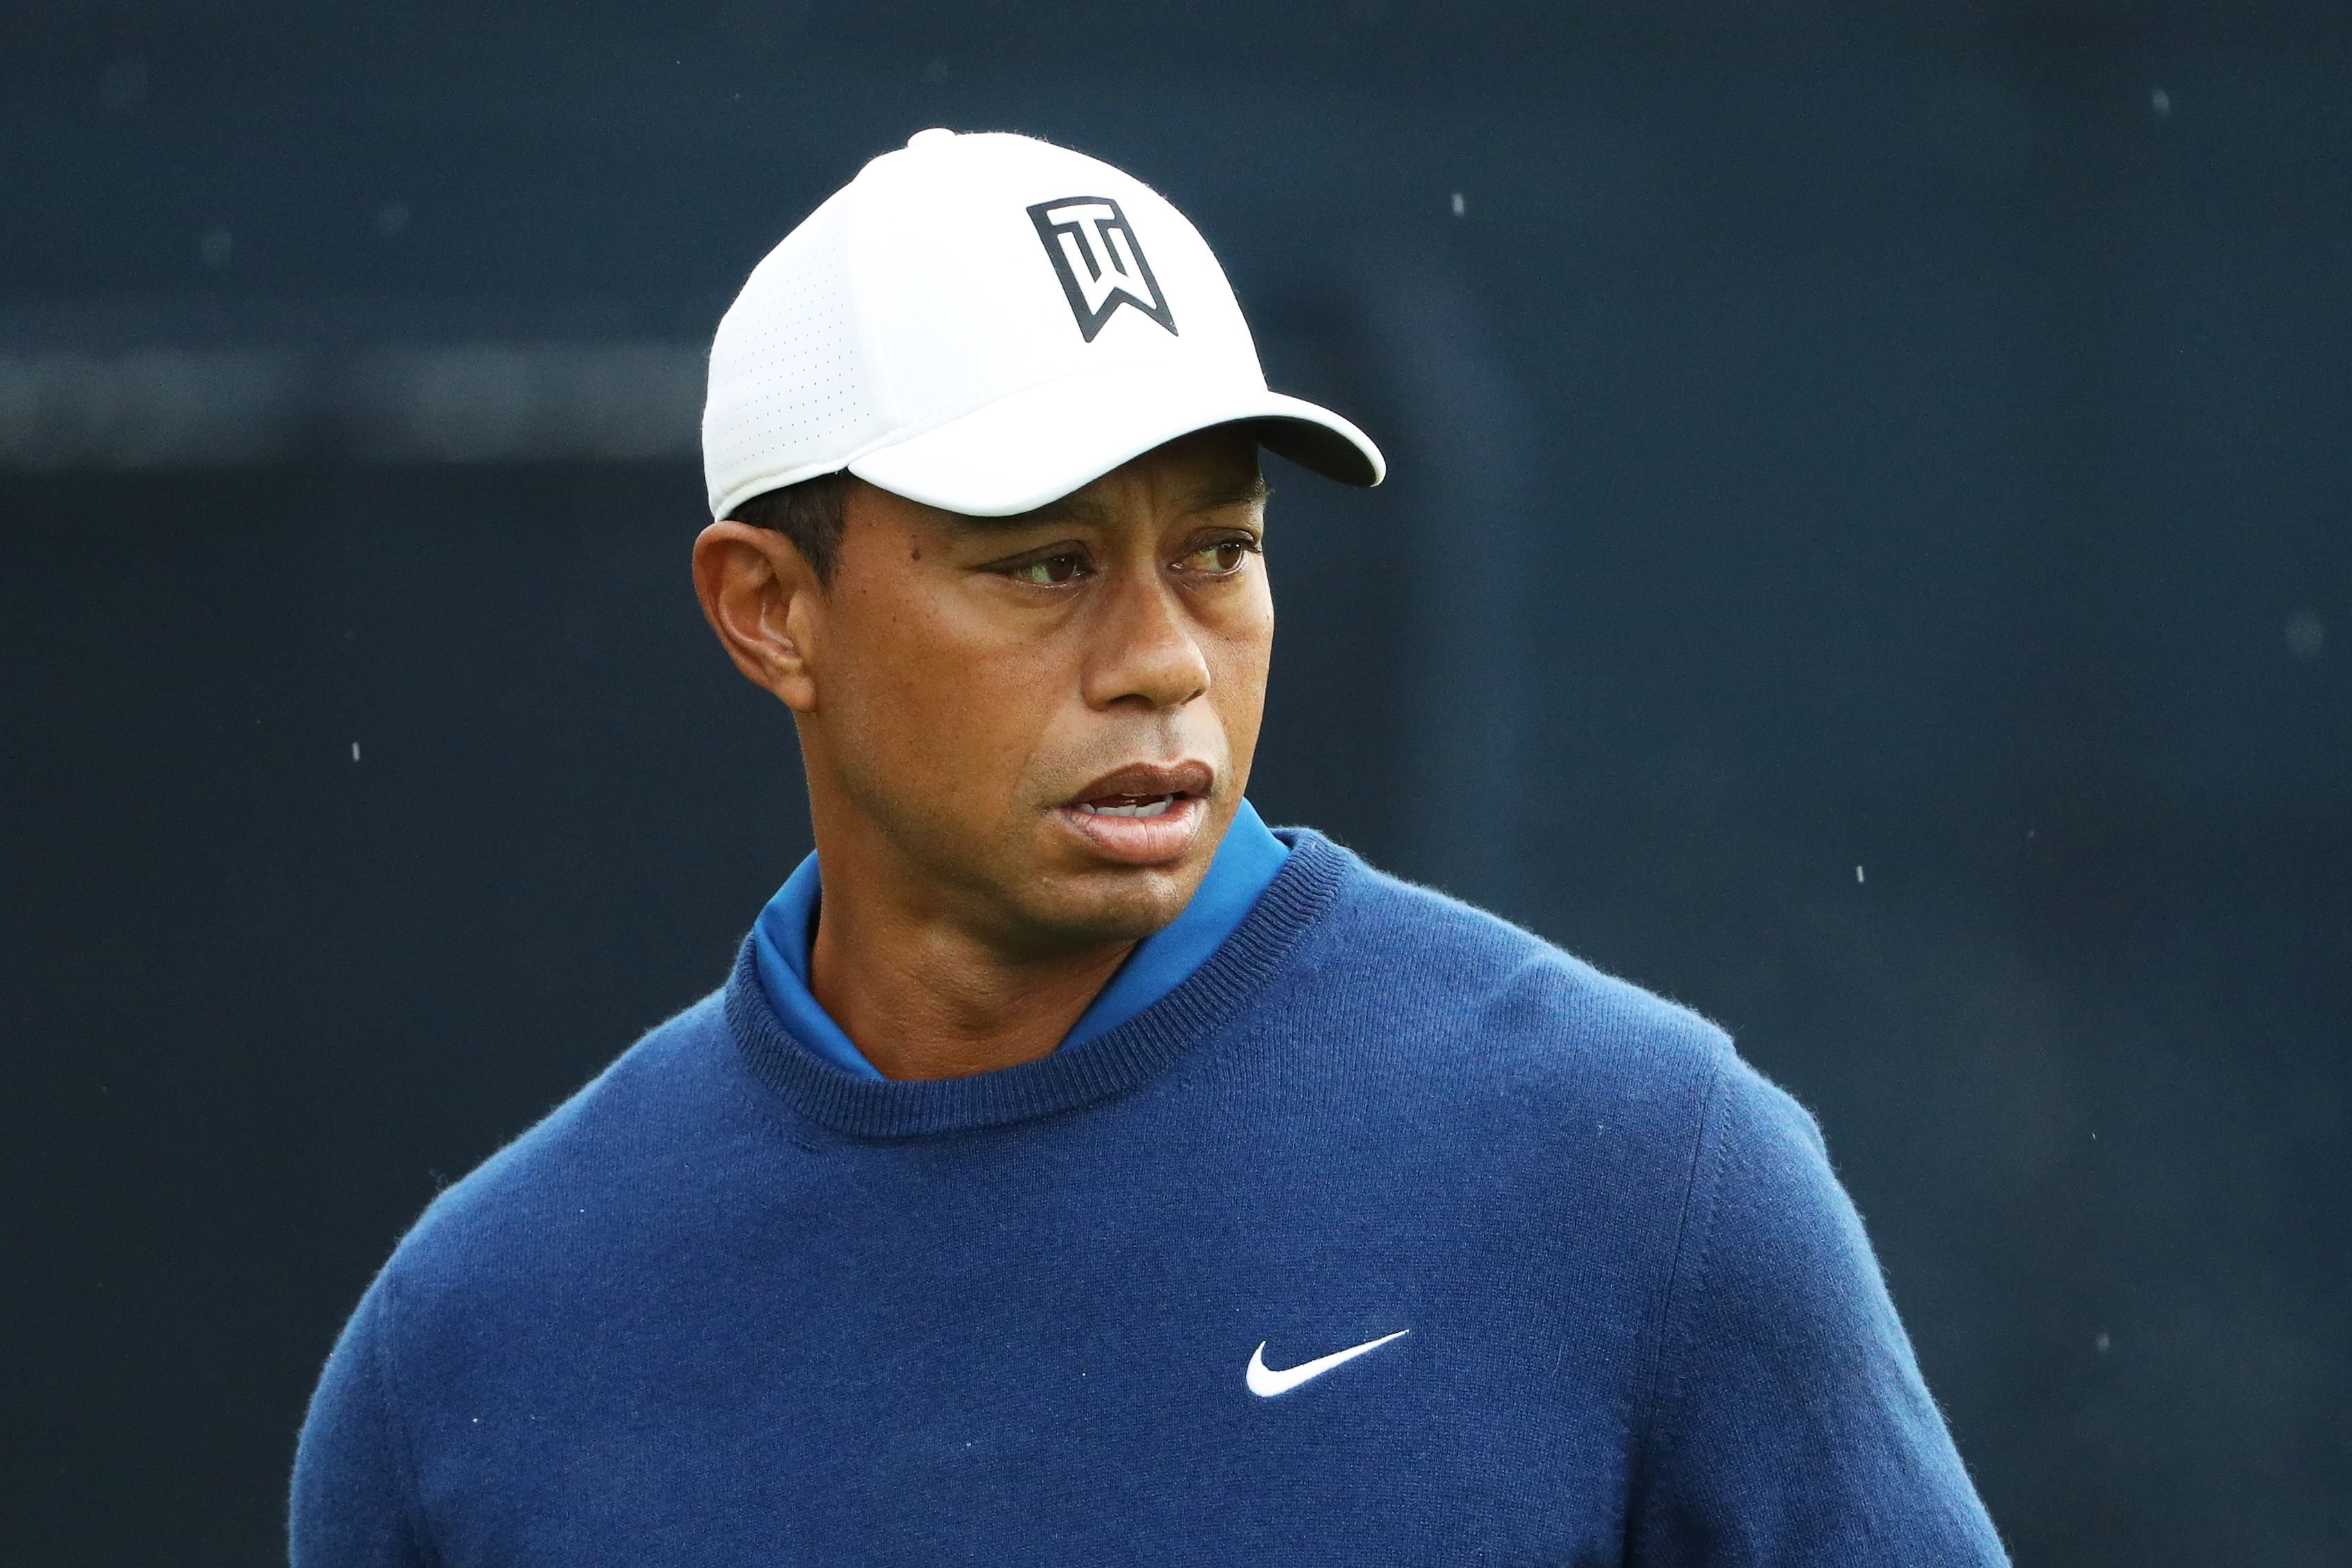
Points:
(1441, 989)
(595, 1160)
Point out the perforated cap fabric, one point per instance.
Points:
(986, 323)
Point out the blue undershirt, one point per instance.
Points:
(1244, 866)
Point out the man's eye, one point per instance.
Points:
(1223, 557)
(1048, 571)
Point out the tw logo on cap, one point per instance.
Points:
(1099, 263)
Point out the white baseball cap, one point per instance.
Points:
(986, 323)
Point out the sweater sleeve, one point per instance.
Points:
(353, 1495)
(1789, 1423)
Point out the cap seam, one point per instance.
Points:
(881, 380)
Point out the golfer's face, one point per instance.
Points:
(1056, 711)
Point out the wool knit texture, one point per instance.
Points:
(731, 1304)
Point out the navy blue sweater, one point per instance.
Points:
(731, 1304)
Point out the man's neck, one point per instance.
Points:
(923, 998)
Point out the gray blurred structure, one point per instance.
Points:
(163, 408)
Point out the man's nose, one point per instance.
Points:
(1146, 651)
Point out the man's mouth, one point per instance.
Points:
(1148, 813)
(1131, 805)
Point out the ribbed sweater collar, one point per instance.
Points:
(1077, 1075)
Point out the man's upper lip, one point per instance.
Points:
(1186, 777)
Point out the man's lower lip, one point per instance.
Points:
(1138, 841)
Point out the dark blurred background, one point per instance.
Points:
(1867, 557)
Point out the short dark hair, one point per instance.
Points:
(812, 514)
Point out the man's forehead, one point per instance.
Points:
(1208, 477)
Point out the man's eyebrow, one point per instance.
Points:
(1072, 509)
(1250, 492)
(1076, 510)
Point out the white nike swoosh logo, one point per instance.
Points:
(1265, 1382)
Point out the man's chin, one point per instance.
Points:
(1111, 904)
(1083, 899)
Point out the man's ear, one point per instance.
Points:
(761, 596)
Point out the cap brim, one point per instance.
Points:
(1043, 442)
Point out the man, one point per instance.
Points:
(1073, 1170)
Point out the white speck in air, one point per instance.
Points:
(2160, 102)
(216, 247)
(1857, 873)
(355, 751)
(2307, 635)
(2102, 1343)
(1461, 207)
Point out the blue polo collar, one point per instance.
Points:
(1245, 863)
